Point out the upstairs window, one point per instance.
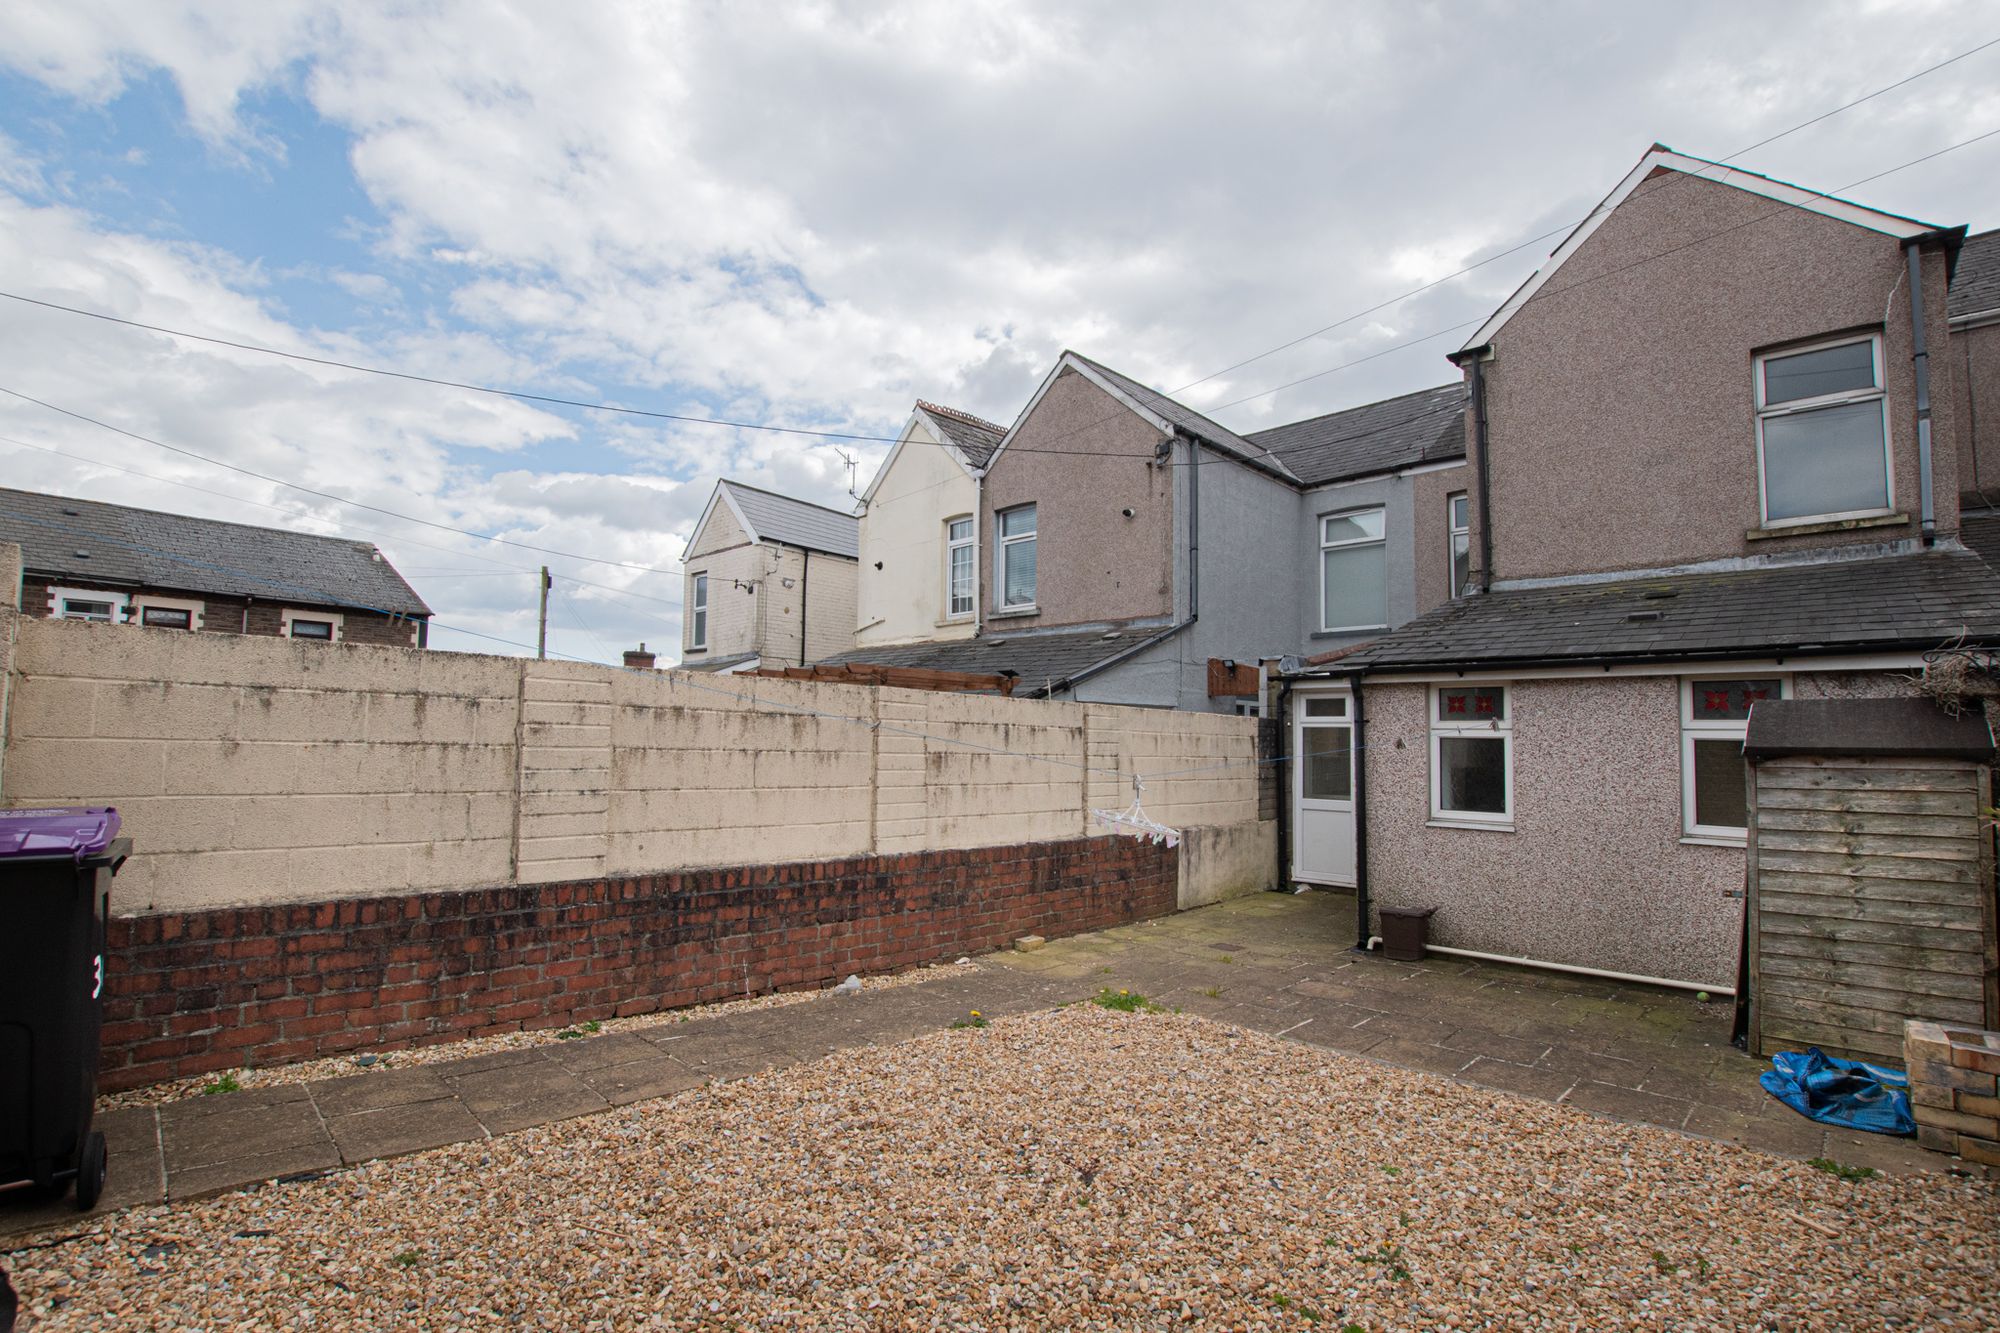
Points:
(1353, 582)
(698, 615)
(958, 568)
(1822, 433)
(1016, 557)
(1458, 517)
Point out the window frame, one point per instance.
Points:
(120, 604)
(952, 546)
(333, 619)
(1351, 545)
(1457, 532)
(144, 602)
(1710, 729)
(1001, 543)
(1767, 412)
(697, 611)
(1501, 728)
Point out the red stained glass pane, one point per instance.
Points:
(1730, 700)
(1488, 702)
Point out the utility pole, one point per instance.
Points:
(542, 632)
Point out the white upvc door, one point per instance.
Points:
(1322, 738)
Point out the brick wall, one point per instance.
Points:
(195, 992)
(1955, 1089)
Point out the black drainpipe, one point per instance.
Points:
(1282, 706)
(1920, 357)
(1476, 358)
(1360, 817)
(805, 600)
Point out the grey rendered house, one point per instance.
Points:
(1135, 551)
(1717, 450)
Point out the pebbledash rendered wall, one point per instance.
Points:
(1595, 870)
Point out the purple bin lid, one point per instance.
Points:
(70, 830)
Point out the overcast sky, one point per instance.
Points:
(812, 215)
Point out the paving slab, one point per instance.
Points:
(373, 1092)
(641, 1080)
(520, 1096)
(391, 1131)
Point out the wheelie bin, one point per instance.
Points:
(55, 892)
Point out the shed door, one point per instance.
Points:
(1323, 788)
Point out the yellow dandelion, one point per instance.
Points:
(1124, 992)
(975, 1013)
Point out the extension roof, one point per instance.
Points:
(770, 517)
(107, 545)
(1042, 660)
(1975, 283)
(1423, 427)
(1887, 603)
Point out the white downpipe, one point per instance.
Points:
(1375, 940)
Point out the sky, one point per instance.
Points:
(810, 216)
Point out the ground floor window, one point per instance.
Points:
(87, 604)
(1715, 713)
(322, 626)
(1472, 754)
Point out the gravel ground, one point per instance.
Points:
(360, 1062)
(1065, 1169)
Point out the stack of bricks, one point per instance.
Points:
(1953, 1093)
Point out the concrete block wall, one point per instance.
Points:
(254, 771)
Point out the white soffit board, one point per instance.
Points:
(1812, 201)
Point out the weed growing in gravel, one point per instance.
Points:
(1213, 992)
(1125, 1002)
(973, 1020)
(407, 1259)
(1841, 1169)
(1227, 958)
(1391, 1259)
(1304, 1311)
(590, 1029)
(1666, 1266)
(226, 1083)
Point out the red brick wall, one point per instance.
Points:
(187, 994)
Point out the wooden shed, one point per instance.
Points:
(1870, 874)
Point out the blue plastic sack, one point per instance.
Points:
(1848, 1093)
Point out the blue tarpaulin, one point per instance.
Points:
(1848, 1093)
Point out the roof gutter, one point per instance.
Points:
(1462, 666)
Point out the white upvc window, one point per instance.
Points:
(167, 612)
(88, 604)
(1353, 571)
(1823, 433)
(958, 590)
(698, 613)
(317, 626)
(1715, 714)
(1472, 755)
(1458, 518)
(1014, 560)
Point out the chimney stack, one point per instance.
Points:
(639, 660)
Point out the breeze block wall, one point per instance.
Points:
(194, 992)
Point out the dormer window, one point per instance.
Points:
(1822, 433)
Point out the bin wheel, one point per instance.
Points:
(90, 1172)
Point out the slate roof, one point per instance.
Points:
(975, 438)
(1979, 529)
(1039, 659)
(1189, 420)
(1975, 284)
(1423, 427)
(147, 548)
(1891, 602)
(780, 518)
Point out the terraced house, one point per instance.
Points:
(1731, 443)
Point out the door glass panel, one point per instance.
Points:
(1326, 708)
(1329, 763)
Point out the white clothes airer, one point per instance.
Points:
(1135, 820)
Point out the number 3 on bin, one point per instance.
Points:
(97, 976)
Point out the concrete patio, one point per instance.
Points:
(1273, 963)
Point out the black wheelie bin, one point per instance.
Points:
(55, 891)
